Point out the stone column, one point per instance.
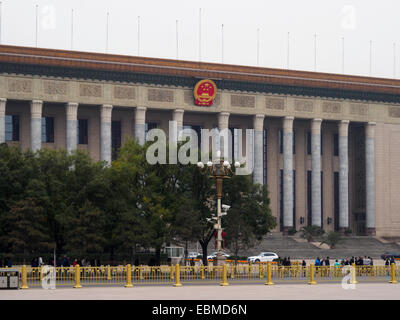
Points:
(287, 173)
(258, 172)
(370, 177)
(71, 126)
(316, 171)
(223, 123)
(105, 133)
(140, 124)
(2, 120)
(36, 125)
(343, 176)
(177, 116)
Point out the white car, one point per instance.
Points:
(193, 255)
(214, 255)
(263, 257)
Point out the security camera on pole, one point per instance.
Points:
(219, 170)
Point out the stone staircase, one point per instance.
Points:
(297, 248)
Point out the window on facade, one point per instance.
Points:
(336, 145)
(308, 142)
(48, 129)
(12, 128)
(115, 138)
(82, 131)
(148, 126)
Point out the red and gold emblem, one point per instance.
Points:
(204, 92)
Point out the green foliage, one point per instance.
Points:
(331, 238)
(292, 231)
(347, 231)
(311, 232)
(50, 200)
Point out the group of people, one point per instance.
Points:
(60, 262)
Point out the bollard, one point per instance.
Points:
(232, 271)
(353, 274)
(108, 272)
(77, 277)
(172, 273)
(393, 273)
(202, 272)
(24, 282)
(269, 275)
(141, 272)
(177, 276)
(128, 276)
(312, 271)
(260, 271)
(224, 276)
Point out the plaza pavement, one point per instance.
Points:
(330, 291)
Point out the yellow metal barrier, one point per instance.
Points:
(312, 281)
(128, 276)
(24, 282)
(224, 276)
(77, 277)
(393, 273)
(177, 276)
(269, 275)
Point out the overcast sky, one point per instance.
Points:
(358, 21)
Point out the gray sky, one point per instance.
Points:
(358, 21)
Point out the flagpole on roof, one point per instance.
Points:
(258, 47)
(138, 44)
(200, 34)
(222, 43)
(108, 14)
(72, 28)
(177, 41)
(36, 27)
(394, 59)
(343, 55)
(315, 52)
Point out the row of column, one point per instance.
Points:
(316, 174)
(223, 123)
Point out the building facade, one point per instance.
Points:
(327, 145)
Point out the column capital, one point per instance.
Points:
(3, 106)
(316, 126)
(370, 129)
(106, 112)
(177, 115)
(258, 122)
(72, 110)
(344, 128)
(223, 120)
(140, 115)
(288, 124)
(36, 109)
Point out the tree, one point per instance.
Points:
(310, 232)
(249, 217)
(332, 238)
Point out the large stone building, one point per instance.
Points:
(327, 145)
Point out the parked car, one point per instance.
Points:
(193, 255)
(390, 255)
(214, 255)
(263, 257)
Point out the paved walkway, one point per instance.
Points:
(363, 291)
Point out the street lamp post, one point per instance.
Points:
(219, 171)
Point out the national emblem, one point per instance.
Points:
(205, 92)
